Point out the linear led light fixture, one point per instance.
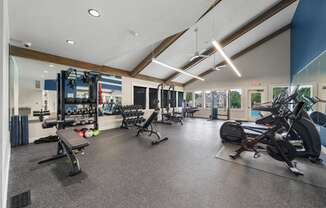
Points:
(227, 59)
(176, 69)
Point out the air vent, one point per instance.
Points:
(37, 84)
(21, 200)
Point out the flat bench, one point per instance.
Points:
(69, 141)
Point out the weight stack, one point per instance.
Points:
(15, 131)
(24, 130)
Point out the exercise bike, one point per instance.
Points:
(280, 139)
(303, 134)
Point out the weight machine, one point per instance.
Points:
(168, 101)
(220, 99)
(74, 111)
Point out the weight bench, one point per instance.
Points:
(69, 142)
(147, 127)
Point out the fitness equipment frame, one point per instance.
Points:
(215, 115)
(279, 148)
(131, 115)
(70, 78)
(167, 117)
(147, 127)
(69, 141)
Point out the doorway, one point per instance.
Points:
(255, 97)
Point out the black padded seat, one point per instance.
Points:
(72, 139)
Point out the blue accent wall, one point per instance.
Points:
(308, 34)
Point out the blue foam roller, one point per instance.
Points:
(24, 130)
(15, 131)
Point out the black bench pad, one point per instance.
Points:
(72, 139)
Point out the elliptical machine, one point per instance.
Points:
(317, 117)
(285, 133)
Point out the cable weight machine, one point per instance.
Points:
(220, 98)
(168, 101)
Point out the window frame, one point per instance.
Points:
(180, 104)
(241, 98)
(202, 98)
(150, 100)
(145, 103)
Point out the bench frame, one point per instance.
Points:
(64, 149)
(147, 127)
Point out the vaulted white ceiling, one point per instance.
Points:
(271, 25)
(48, 24)
(108, 40)
(227, 17)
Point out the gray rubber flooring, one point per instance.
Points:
(121, 170)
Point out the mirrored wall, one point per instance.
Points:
(312, 84)
(34, 89)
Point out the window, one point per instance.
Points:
(180, 99)
(140, 96)
(279, 90)
(208, 99)
(164, 99)
(199, 99)
(153, 98)
(220, 99)
(173, 99)
(235, 98)
(304, 91)
(189, 99)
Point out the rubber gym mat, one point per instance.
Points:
(314, 174)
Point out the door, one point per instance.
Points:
(256, 97)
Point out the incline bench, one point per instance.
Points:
(147, 127)
(69, 141)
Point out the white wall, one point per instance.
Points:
(4, 101)
(262, 68)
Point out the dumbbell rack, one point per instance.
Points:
(131, 115)
(85, 115)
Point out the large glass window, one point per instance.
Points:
(189, 99)
(235, 98)
(305, 90)
(153, 98)
(140, 96)
(199, 99)
(180, 99)
(173, 99)
(220, 99)
(278, 90)
(208, 99)
(164, 99)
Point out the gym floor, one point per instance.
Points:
(121, 170)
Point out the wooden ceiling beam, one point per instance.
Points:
(238, 33)
(164, 45)
(156, 52)
(40, 56)
(244, 51)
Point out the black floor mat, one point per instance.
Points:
(314, 174)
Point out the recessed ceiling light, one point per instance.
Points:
(45, 71)
(51, 65)
(94, 13)
(134, 33)
(71, 42)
